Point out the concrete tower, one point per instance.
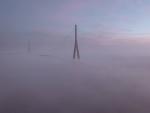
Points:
(76, 49)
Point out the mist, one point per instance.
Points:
(111, 76)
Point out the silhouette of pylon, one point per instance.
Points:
(76, 49)
(29, 46)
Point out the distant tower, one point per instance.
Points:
(76, 49)
(29, 46)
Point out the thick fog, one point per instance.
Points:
(112, 75)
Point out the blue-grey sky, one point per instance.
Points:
(93, 16)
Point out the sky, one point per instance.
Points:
(94, 17)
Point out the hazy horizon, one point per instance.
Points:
(39, 75)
